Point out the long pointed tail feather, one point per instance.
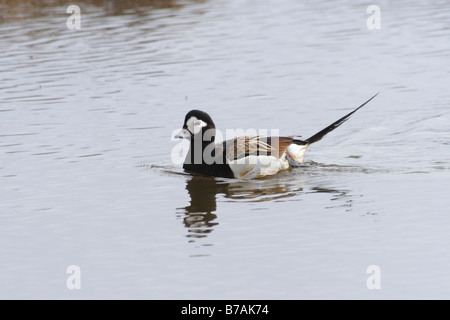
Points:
(319, 135)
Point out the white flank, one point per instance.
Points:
(255, 167)
(259, 166)
(284, 162)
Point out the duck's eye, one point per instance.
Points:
(200, 123)
(195, 125)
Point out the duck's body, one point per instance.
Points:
(248, 157)
(245, 157)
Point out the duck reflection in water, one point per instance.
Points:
(199, 216)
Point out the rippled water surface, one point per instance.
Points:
(87, 177)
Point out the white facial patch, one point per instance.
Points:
(195, 125)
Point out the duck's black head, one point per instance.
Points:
(197, 124)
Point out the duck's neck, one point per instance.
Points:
(204, 158)
(200, 152)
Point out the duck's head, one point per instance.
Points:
(197, 124)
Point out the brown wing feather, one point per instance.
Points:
(283, 143)
(241, 147)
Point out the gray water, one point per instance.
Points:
(86, 176)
